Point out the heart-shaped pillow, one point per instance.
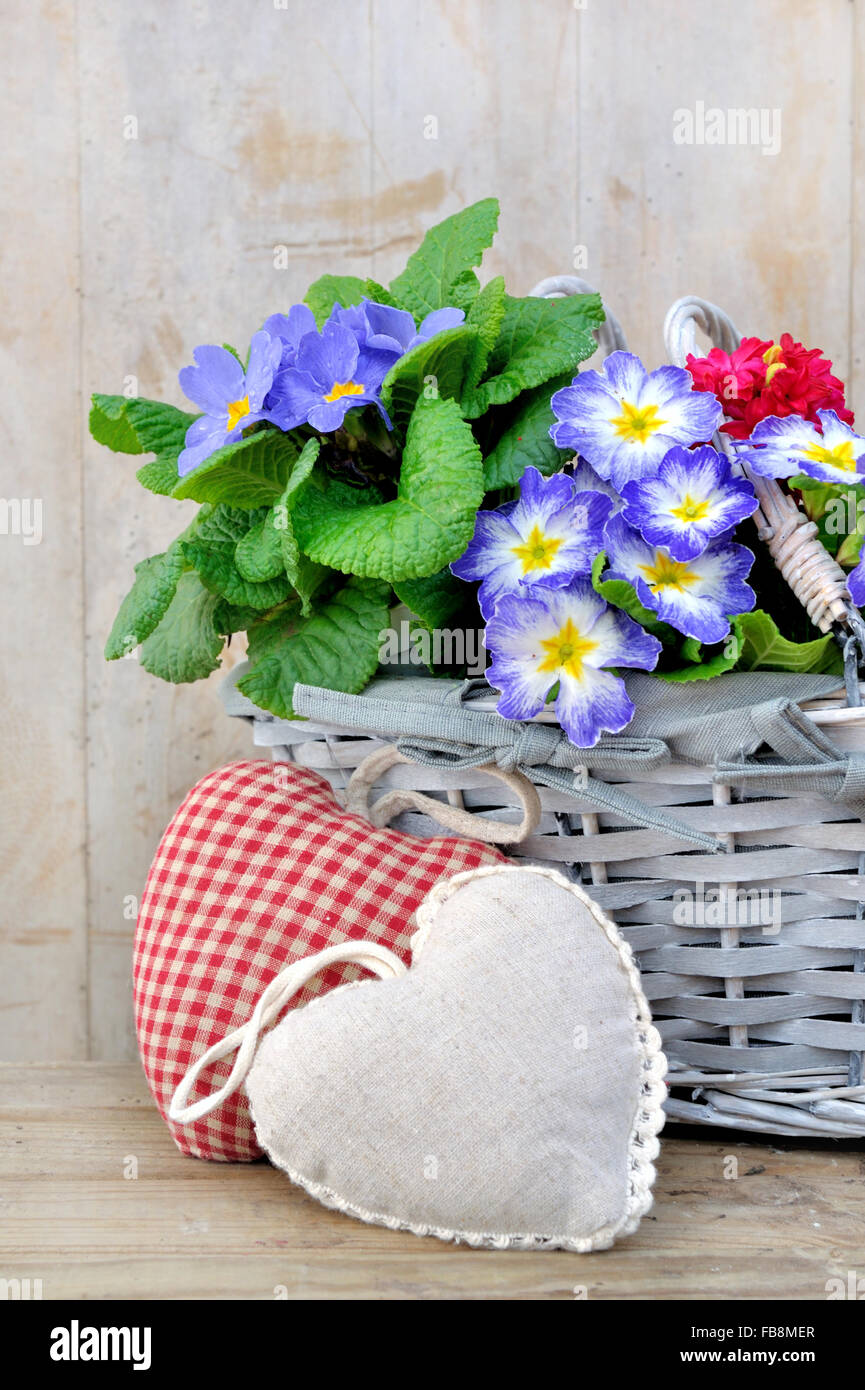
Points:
(507, 1091)
(259, 867)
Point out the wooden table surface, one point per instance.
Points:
(97, 1203)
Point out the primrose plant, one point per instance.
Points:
(431, 443)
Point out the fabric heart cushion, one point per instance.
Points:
(259, 867)
(506, 1091)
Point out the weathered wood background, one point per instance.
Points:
(157, 152)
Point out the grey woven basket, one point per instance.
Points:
(758, 989)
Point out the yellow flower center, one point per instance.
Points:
(566, 650)
(538, 552)
(689, 510)
(667, 573)
(236, 411)
(636, 423)
(344, 388)
(774, 361)
(839, 457)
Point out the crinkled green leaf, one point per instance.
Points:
(435, 275)
(436, 600)
(526, 441)
(436, 367)
(428, 524)
(764, 648)
(186, 644)
(146, 603)
(109, 425)
(251, 473)
(485, 315)
(304, 575)
(134, 425)
(228, 618)
(539, 339)
(464, 291)
(337, 647)
(269, 547)
(258, 554)
(373, 290)
(333, 289)
(211, 550)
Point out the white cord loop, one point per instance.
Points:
(272, 1001)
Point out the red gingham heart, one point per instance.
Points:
(258, 868)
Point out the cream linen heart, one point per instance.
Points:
(507, 1091)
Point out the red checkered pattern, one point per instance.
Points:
(258, 868)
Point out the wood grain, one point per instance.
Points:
(188, 169)
(43, 819)
(792, 1217)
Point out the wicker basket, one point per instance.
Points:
(758, 989)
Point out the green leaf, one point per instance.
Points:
(765, 649)
(337, 647)
(428, 524)
(485, 314)
(304, 575)
(146, 603)
(701, 669)
(849, 551)
(526, 442)
(539, 339)
(258, 554)
(436, 367)
(621, 594)
(134, 425)
(228, 618)
(250, 473)
(333, 289)
(186, 644)
(435, 275)
(211, 551)
(464, 291)
(373, 290)
(436, 600)
(109, 425)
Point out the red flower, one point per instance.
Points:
(761, 379)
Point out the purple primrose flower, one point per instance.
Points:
(231, 398)
(694, 499)
(547, 537)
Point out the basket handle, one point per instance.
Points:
(815, 577)
(451, 817)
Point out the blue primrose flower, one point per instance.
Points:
(392, 330)
(695, 596)
(289, 329)
(778, 448)
(694, 499)
(332, 373)
(231, 398)
(544, 539)
(623, 419)
(566, 637)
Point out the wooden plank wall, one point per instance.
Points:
(157, 152)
